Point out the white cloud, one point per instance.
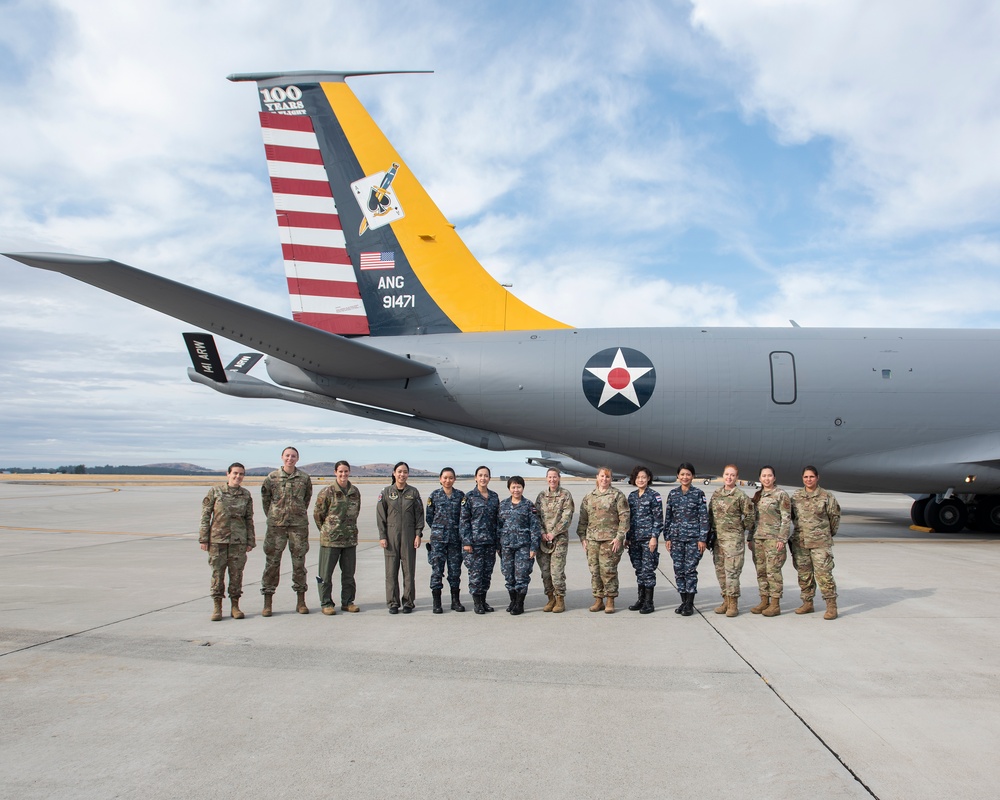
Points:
(906, 92)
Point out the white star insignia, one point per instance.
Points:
(619, 378)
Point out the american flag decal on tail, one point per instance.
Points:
(321, 281)
(378, 260)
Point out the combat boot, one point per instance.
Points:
(734, 606)
(235, 610)
(725, 605)
(680, 608)
(598, 604)
(486, 606)
(688, 604)
(456, 604)
(831, 609)
(637, 605)
(328, 610)
(519, 603)
(267, 605)
(300, 605)
(765, 601)
(216, 609)
(560, 605)
(773, 608)
(436, 594)
(806, 607)
(477, 604)
(647, 601)
(609, 605)
(552, 601)
(513, 601)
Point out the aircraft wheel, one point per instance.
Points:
(946, 516)
(917, 512)
(987, 515)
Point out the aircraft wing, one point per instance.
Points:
(285, 339)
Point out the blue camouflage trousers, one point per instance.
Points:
(644, 563)
(685, 556)
(479, 565)
(441, 554)
(516, 564)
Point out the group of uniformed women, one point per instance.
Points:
(474, 527)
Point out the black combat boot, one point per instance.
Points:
(647, 602)
(477, 601)
(513, 601)
(456, 604)
(680, 608)
(688, 604)
(436, 594)
(486, 606)
(518, 603)
(637, 605)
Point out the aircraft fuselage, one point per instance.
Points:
(908, 410)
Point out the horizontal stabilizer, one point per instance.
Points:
(289, 341)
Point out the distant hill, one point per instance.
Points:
(326, 469)
(181, 466)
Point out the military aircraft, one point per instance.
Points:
(396, 321)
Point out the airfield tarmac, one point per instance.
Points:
(114, 683)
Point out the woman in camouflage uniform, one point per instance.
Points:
(603, 526)
(730, 515)
(227, 534)
(685, 530)
(773, 524)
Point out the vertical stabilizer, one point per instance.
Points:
(366, 250)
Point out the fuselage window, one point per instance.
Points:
(783, 388)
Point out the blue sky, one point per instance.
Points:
(717, 162)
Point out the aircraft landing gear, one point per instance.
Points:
(946, 516)
(917, 511)
(986, 517)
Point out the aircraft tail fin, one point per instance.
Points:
(366, 250)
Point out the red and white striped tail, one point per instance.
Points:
(321, 281)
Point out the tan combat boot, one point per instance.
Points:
(598, 604)
(551, 604)
(725, 605)
(300, 605)
(773, 609)
(560, 605)
(759, 608)
(235, 611)
(350, 608)
(267, 605)
(734, 606)
(216, 609)
(831, 609)
(806, 607)
(609, 606)
(328, 610)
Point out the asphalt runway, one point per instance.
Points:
(114, 683)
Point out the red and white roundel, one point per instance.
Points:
(618, 380)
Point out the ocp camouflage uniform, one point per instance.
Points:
(520, 534)
(685, 523)
(555, 512)
(336, 515)
(646, 522)
(730, 515)
(604, 519)
(286, 502)
(816, 516)
(445, 545)
(399, 514)
(478, 529)
(773, 524)
(227, 529)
